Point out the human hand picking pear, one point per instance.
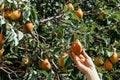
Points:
(84, 63)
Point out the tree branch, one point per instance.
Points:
(51, 18)
(8, 71)
(21, 48)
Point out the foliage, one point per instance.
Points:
(55, 29)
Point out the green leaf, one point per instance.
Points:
(44, 73)
(12, 37)
(2, 20)
(26, 14)
(67, 61)
(10, 1)
(33, 15)
(109, 53)
(1, 1)
(65, 8)
(20, 35)
(75, 17)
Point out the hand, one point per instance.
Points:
(85, 64)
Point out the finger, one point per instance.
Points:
(85, 54)
(79, 63)
(76, 58)
(82, 58)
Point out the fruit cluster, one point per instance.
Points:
(76, 47)
(16, 15)
(78, 12)
(109, 62)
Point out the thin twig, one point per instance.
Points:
(4, 70)
(56, 70)
(11, 71)
(21, 48)
(8, 71)
(10, 77)
(51, 18)
(54, 65)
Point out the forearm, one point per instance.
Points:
(92, 75)
(96, 74)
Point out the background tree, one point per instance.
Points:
(36, 35)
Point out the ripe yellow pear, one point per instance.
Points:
(2, 40)
(16, 15)
(108, 65)
(7, 13)
(98, 61)
(45, 64)
(79, 13)
(25, 60)
(1, 52)
(2, 6)
(61, 60)
(70, 6)
(76, 47)
(114, 58)
(28, 27)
